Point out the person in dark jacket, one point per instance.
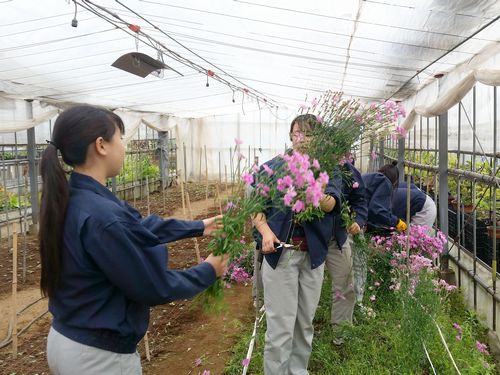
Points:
(422, 207)
(339, 260)
(379, 189)
(102, 264)
(293, 277)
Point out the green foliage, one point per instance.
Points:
(137, 168)
(388, 334)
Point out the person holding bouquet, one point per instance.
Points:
(103, 265)
(293, 275)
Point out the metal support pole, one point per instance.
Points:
(401, 158)
(443, 183)
(33, 175)
(163, 156)
(381, 152)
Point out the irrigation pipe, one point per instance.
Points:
(429, 358)
(252, 342)
(446, 347)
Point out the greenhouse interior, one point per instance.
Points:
(226, 105)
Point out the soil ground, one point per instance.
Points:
(182, 338)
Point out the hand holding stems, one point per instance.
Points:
(219, 263)
(268, 237)
(212, 224)
(354, 228)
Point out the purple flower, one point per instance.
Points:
(229, 205)
(457, 327)
(339, 296)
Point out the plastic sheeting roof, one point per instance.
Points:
(280, 52)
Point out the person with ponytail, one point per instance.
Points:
(102, 264)
(379, 190)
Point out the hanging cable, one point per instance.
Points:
(74, 21)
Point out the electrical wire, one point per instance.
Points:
(164, 33)
(360, 21)
(169, 52)
(296, 27)
(446, 53)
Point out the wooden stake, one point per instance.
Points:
(147, 196)
(206, 172)
(146, 347)
(225, 174)
(218, 198)
(183, 200)
(196, 246)
(201, 155)
(14, 290)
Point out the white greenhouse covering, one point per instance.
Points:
(266, 56)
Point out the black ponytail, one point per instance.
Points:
(74, 130)
(391, 171)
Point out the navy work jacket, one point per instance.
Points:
(378, 193)
(114, 267)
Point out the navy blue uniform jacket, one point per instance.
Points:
(417, 200)
(355, 198)
(378, 192)
(317, 231)
(115, 268)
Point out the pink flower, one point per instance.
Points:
(314, 103)
(315, 164)
(245, 362)
(298, 206)
(457, 327)
(319, 118)
(238, 141)
(206, 372)
(303, 106)
(284, 183)
(339, 296)
(247, 178)
(355, 185)
(482, 348)
(458, 338)
(324, 178)
(197, 362)
(268, 170)
(288, 198)
(240, 156)
(242, 241)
